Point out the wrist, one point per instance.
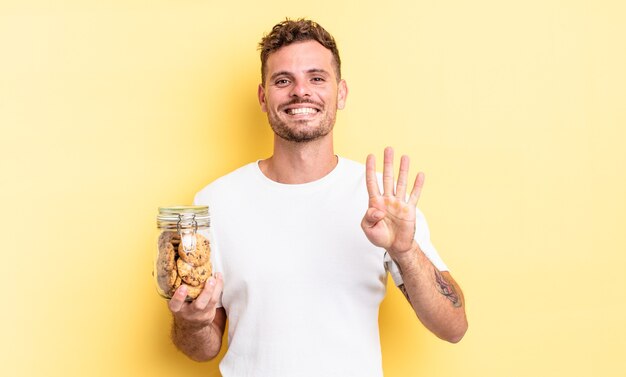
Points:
(405, 259)
(187, 326)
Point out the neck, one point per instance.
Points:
(295, 163)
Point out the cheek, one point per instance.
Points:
(267, 104)
(331, 96)
(271, 103)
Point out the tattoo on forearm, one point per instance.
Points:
(447, 289)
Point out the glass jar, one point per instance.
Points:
(183, 250)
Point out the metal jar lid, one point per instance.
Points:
(182, 217)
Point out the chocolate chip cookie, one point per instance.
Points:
(200, 255)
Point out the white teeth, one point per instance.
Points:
(304, 110)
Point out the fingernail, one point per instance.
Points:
(211, 281)
(219, 275)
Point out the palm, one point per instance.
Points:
(390, 219)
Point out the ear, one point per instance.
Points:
(342, 94)
(261, 95)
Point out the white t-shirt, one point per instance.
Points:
(302, 284)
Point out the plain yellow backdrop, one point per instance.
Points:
(514, 110)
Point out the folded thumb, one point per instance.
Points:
(372, 216)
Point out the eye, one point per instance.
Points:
(281, 82)
(318, 79)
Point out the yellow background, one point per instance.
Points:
(515, 111)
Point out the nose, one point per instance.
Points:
(301, 88)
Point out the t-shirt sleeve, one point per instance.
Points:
(422, 237)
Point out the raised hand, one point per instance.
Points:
(390, 219)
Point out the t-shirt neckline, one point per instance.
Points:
(330, 177)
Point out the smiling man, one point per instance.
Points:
(303, 93)
(302, 241)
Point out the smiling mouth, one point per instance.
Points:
(302, 110)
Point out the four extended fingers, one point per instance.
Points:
(388, 178)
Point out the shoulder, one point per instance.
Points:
(356, 170)
(350, 175)
(352, 165)
(351, 168)
(226, 184)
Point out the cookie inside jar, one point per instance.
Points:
(182, 259)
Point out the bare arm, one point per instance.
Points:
(390, 223)
(434, 295)
(198, 326)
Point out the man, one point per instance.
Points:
(299, 280)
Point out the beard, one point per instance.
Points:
(303, 130)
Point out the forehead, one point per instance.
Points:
(300, 57)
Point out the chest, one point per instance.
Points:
(308, 248)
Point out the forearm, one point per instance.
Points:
(200, 343)
(435, 297)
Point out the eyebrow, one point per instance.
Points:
(287, 73)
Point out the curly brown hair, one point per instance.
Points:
(292, 31)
